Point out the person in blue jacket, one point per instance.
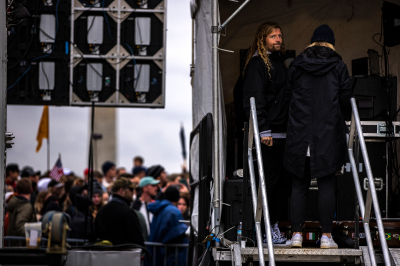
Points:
(166, 228)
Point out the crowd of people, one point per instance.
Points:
(124, 208)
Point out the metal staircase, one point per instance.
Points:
(356, 139)
(357, 255)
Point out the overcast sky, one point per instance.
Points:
(151, 133)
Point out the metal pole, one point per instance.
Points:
(96, 163)
(359, 193)
(193, 51)
(388, 184)
(215, 88)
(356, 182)
(192, 70)
(357, 216)
(262, 183)
(371, 184)
(254, 197)
(118, 51)
(234, 14)
(255, 207)
(3, 110)
(71, 52)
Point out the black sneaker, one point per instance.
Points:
(277, 239)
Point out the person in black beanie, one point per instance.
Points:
(158, 172)
(318, 88)
(166, 228)
(110, 173)
(264, 79)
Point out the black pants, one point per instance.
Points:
(275, 178)
(326, 200)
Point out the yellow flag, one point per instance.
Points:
(43, 131)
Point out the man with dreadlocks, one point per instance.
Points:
(264, 79)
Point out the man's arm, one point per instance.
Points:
(254, 87)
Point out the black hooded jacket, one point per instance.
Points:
(268, 92)
(319, 91)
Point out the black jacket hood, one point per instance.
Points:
(317, 60)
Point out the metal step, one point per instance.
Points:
(395, 256)
(365, 260)
(351, 256)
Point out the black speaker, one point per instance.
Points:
(391, 23)
(372, 97)
(232, 215)
(345, 185)
(359, 67)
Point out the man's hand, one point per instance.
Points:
(267, 141)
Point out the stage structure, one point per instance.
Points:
(76, 52)
(221, 31)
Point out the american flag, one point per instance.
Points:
(57, 171)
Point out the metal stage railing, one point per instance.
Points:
(170, 249)
(260, 205)
(355, 140)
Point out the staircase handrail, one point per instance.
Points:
(260, 202)
(356, 135)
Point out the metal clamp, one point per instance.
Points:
(215, 29)
(378, 184)
(221, 202)
(382, 130)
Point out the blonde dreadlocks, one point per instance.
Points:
(259, 44)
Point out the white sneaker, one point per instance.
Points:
(328, 242)
(297, 241)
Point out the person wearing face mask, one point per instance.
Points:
(264, 79)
